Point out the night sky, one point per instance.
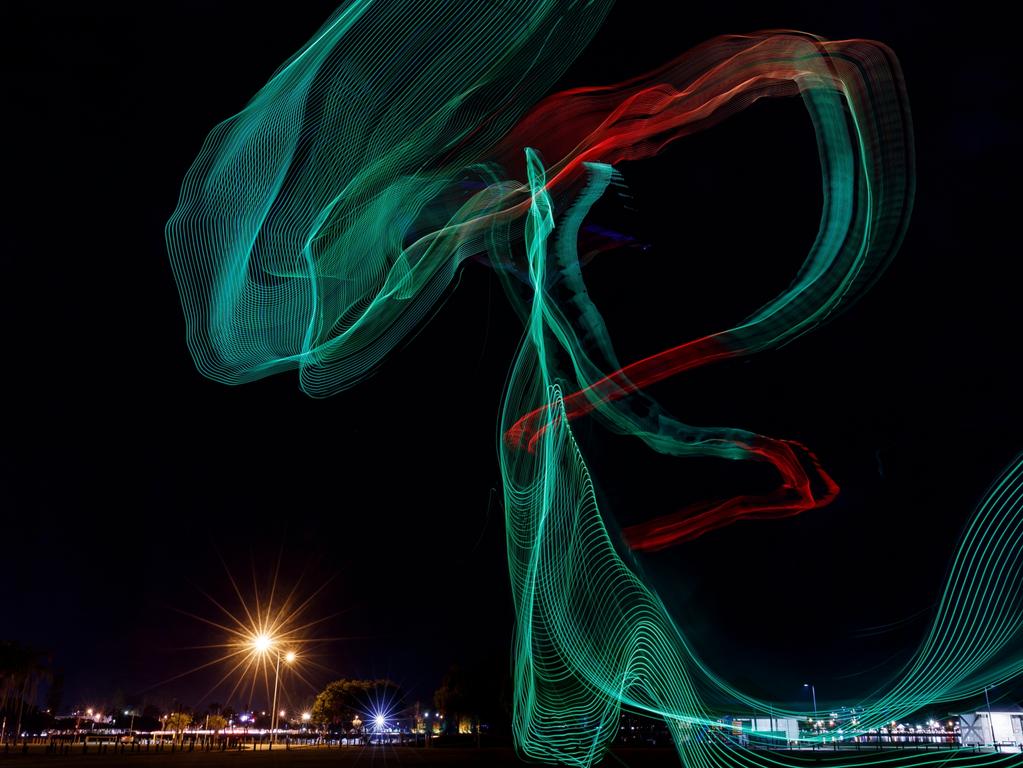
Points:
(131, 485)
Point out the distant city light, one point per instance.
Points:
(262, 642)
(289, 657)
(379, 720)
(306, 717)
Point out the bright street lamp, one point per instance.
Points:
(263, 644)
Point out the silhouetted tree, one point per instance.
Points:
(454, 697)
(21, 670)
(55, 696)
(178, 722)
(341, 701)
(473, 695)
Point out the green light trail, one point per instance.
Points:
(321, 225)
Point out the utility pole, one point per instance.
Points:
(273, 713)
(990, 716)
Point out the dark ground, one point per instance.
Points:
(497, 757)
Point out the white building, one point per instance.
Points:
(784, 729)
(1004, 729)
(778, 731)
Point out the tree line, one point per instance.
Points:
(467, 697)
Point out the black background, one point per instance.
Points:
(127, 477)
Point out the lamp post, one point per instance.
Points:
(288, 657)
(990, 716)
(273, 706)
(813, 694)
(131, 725)
(264, 644)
